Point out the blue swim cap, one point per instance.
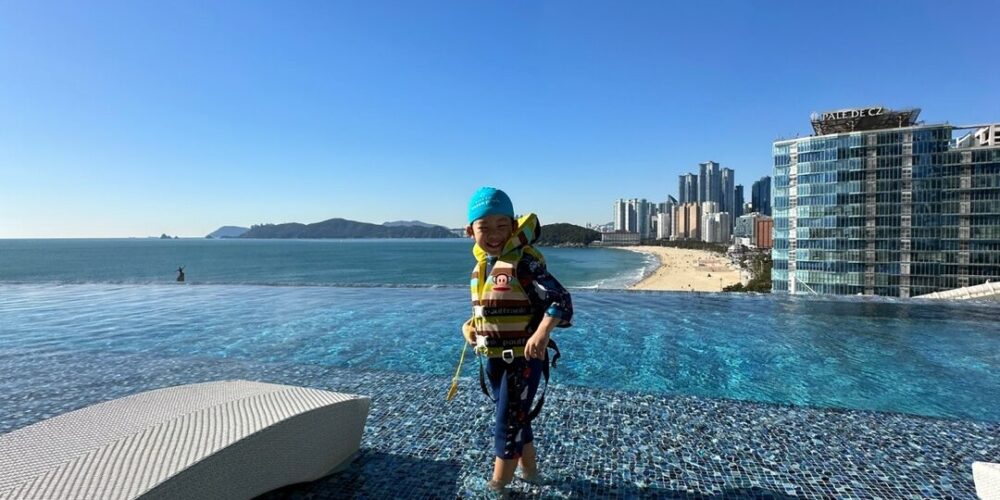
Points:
(489, 201)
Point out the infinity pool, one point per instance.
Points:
(921, 358)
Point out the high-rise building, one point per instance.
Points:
(738, 201)
(634, 216)
(631, 219)
(760, 196)
(643, 217)
(620, 214)
(709, 228)
(664, 225)
(877, 204)
(687, 222)
(709, 182)
(727, 195)
(725, 234)
(715, 227)
(687, 190)
(664, 218)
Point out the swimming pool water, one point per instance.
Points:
(923, 358)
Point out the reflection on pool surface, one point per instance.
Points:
(660, 395)
(922, 358)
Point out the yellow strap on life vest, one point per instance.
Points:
(454, 380)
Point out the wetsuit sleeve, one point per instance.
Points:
(554, 297)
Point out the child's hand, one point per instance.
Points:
(469, 332)
(536, 346)
(539, 341)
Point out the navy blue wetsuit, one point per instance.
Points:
(514, 384)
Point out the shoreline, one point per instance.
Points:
(685, 270)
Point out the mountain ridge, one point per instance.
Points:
(344, 228)
(228, 232)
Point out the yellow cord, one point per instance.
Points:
(454, 381)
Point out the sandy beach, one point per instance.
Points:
(687, 270)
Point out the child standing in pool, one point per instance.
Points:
(516, 304)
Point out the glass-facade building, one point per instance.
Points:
(760, 195)
(897, 211)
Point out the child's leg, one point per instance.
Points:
(501, 381)
(514, 387)
(528, 461)
(503, 470)
(528, 465)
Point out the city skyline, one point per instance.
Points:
(712, 190)
(135, 120)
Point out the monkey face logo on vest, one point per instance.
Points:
(501, 282)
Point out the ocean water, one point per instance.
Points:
(364, 262)
(393, 307)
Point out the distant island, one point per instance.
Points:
(561, 234)
(399, 223)
(566, 235)
(228, 232)
(343, 228)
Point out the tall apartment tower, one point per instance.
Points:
(643, 217)
(760, 196)
(687, 189)
(631, 217)
(709, 182)
(738, 197)
(620, 214)
(876, 203)
(664, 225)
(716, 227)
(727, 199)
(687, 222)
(634, 216)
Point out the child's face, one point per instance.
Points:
(491, 232)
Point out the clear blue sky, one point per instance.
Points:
(136, 118)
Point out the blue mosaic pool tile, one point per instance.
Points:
(593, 443)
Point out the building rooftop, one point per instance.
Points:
(856, 119)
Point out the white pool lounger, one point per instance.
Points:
(986, 476)
(233, 439)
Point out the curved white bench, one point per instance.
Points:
(233, 439)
